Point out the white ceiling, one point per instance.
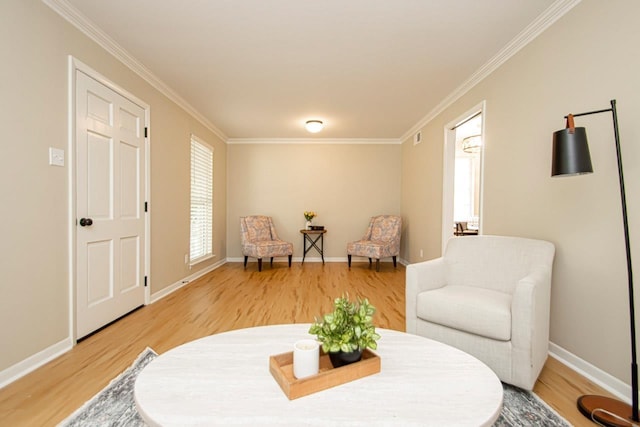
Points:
(371, 69)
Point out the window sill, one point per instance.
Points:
(201, 259)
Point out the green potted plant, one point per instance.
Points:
(347, 331)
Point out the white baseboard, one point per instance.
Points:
(35, 361)
(155, 297)
(610, 383)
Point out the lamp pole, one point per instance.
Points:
(606, 410)
(625, 222)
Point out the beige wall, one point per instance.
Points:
(34, 291)
(344, 184)
(585, 59)
(582, 61)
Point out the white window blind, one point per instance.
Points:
(201, 200)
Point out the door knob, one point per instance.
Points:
(86, 222)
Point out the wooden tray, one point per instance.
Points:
(281, 367)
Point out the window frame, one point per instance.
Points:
(201, 158)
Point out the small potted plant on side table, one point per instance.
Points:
(345, 333)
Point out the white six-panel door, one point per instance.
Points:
(110, 205)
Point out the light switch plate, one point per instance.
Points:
(56, 156)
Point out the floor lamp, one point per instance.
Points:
(571, 157)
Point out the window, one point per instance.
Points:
(201, 201)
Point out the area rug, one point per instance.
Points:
(114, 406)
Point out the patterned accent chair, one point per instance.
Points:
(382, 240)
(260, 240)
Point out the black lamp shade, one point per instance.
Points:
(571, 153)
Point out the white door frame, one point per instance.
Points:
(74, 66)
(448, 174)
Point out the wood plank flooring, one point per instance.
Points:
(230, 298)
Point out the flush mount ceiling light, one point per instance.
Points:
(314, 126)
(472, 144)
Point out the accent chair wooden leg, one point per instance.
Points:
(245, 261)
(290, 260)
(377, 264)
(369, 262)
(349, 261)
(271, 262)
(394, 262)
(259, 264)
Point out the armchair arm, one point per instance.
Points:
(272, 229)
(420, 277)
(530, 308)
(530, 313)
(530, 325)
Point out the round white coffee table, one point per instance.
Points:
(224, 380)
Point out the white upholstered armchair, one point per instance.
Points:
(488, 296)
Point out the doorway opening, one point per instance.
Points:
(463, 175)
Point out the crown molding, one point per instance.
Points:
(88, 28)
(554, 12)
(318, 141)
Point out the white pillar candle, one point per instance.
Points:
(306, 358)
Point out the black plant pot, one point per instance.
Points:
(341, 358)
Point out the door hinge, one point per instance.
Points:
(145, 281)
(146, 132)
(146, 206)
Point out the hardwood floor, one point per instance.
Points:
(225, 299)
